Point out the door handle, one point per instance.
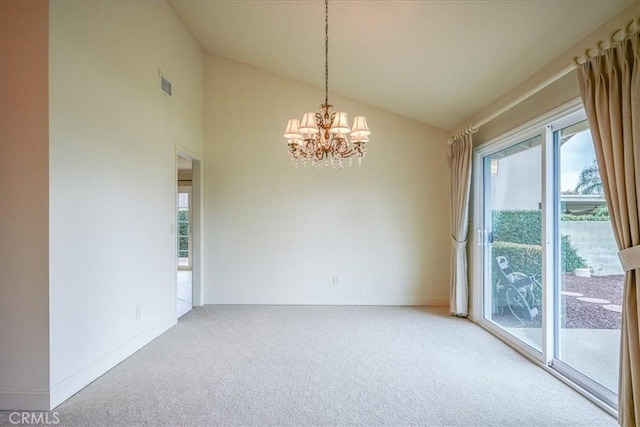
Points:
(485, 237)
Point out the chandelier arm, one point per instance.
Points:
(342, 148)
(360, 150)
(309, 148)
(348, 153)
(302, 152)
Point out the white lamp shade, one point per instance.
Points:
(308, 124)
(359, 139)
(292, 132)
(340, 124)
(360, 128)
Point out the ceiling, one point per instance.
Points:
(438, 62)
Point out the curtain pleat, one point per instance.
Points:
(460, 151)
(610, 90)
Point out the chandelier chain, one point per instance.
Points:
(325, 138)
(326, 51)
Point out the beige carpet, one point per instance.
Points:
(321, 365)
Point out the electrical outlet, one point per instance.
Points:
(336, 280)
(138, 311)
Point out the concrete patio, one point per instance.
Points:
(594, 352)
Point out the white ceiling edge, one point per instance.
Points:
(390, 94)
(553, 68)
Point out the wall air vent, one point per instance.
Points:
(166, 86)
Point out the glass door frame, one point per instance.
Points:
(545, 125)
(482, 222)
(563, 368)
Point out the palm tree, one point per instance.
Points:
(589, 181)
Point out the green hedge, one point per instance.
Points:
(570, 258)
(523, 227)
(517, 235)
(526, 259)
(183, 233)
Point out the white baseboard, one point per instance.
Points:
(76, 382)
(401, 301)
(24, 400)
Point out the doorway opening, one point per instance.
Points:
(188, 241)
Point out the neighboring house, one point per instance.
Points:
(512, 173)
(580, 204)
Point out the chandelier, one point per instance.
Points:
(321, 138)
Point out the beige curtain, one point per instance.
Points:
(610, 89)
(460, 149)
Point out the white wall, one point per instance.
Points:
(24, 205)
(275, 234)
(595, 242)
(556, 94)
(552, 96)
(113, 178)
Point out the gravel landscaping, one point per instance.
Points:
(586, 315)
(581, 314)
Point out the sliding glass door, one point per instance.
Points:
(589, 278)
(546, 259)
(511, 234)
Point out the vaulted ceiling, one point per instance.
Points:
(438, 62)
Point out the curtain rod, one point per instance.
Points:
(528, 94)
(616, 37)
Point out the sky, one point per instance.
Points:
(575, 154)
